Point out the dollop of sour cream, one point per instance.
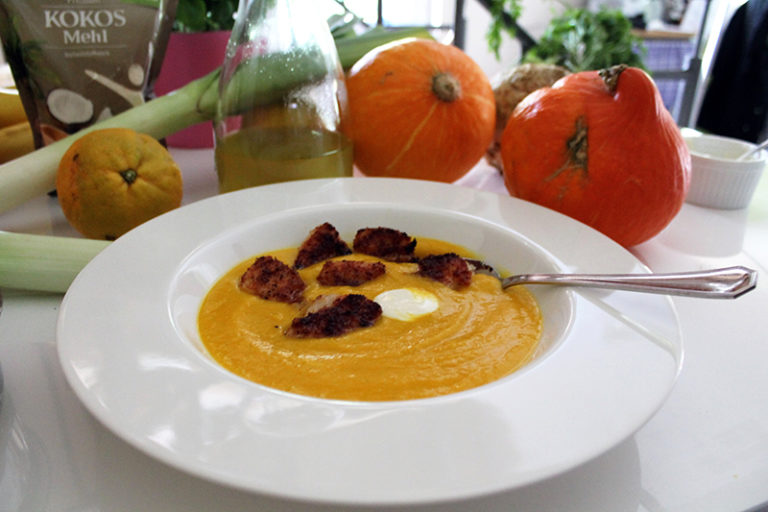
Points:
(406, 304)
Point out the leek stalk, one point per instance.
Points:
(50, 263)
(34, 174)
(43, 262)
(352, 48)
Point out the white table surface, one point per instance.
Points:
(705, 450)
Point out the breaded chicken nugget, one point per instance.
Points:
(385, 243)
(349, 273)
(322, 243)
(450, 269)
(271, 279)
(334, 315)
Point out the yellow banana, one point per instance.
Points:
(16, 140)
(11, 109)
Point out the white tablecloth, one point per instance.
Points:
(705, 450)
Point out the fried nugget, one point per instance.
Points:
(271, 279)
(386, 243)
(322, 243)
(349, 273)
(450, 269)
(334, 315)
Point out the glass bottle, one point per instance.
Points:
(282, 98)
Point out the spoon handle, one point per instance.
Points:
(754, 150)
(724, 283)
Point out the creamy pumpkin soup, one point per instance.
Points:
(430, 338)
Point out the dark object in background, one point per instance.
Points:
(638, 21)
(736, 99)
(673, 11)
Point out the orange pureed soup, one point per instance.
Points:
(476, 335)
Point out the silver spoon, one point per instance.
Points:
(722, 283)
(752, 151)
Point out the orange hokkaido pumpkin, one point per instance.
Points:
(419, 109)
(599, 147)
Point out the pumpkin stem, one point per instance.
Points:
(446, 87)
(129, 175)
(575, 150)
(611, 76)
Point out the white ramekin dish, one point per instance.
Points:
(718, 178)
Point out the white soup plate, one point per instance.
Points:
(129, 347)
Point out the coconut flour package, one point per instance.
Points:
(76, 62)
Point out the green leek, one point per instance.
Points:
(352, 48)
(34, 174)
(43, 262)
(50, 263)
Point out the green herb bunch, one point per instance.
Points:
(204, 15)
(499, 9)
(581, 40)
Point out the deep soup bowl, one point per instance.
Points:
(501, 247)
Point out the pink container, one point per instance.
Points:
(188, 57)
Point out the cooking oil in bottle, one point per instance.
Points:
(261, 155)
(282, 98)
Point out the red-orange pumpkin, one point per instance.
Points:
(419, 109)
(599, 147)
